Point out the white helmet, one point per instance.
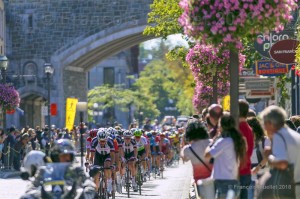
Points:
(32, 161)
(127, 133)
(101, 134)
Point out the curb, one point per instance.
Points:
(9, 174)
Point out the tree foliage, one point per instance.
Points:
(163, 18)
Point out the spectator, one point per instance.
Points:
(296, 120)
(156, 125)
(228, 152)
(3, 137)
(8, 144)
(246, 131)
(287, 144)
(147, 126)
(215, 111)
(258, 160)
(204, 114)
(197, 134)
(251, 113)
(19, 151)
(39, 134)
(290, 124)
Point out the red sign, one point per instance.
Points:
(53, 109)
(284, 51)
(12, 111)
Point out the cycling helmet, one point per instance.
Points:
(111, 132)
(62, 146)
(149, 134)
(137, 132)
(93, 133)
(127, 133)
(32, 161)
(101, 134)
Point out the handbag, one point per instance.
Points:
(277, 183)
(205, 187)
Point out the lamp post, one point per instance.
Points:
(48, 71)
(95, 112)
(81, 107)
(3, 67)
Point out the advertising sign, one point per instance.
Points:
(270, 68)
(284, 51)
(268, 40)
(258, 85)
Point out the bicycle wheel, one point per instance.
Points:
(127, 181)
(113, 193)
(139, 179)
(102, 190)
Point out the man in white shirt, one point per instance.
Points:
(286, 143)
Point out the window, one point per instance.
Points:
(109, 75)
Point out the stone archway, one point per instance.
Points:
(74, 62)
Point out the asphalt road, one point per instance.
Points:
(174, 185)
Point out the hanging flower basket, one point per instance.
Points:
(9, 97)
(206, 61)
(228, 21)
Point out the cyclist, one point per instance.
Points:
(165, 146)
(142, 148)
(103, 154)
(130, 155)
(91, 135)
(155, 151)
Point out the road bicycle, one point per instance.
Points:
(127, 180)
(102, 191)
(139, 176)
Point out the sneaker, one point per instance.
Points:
(109, 186)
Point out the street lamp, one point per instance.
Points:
(48, 71)
(3, 67)
(81, 107)
(95, 106)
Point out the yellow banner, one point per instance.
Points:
(70, 112)
(226, 103)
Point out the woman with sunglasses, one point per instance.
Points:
(103, 154)
(129, 156)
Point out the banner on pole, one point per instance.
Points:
(70, 112)
(226, 103)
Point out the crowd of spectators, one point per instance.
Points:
(236, 154)
(16, 143)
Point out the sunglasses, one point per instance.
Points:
(137, 136)
(127, 138)
(102, 141)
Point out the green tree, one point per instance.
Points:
(163, 18)
(111, 96)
